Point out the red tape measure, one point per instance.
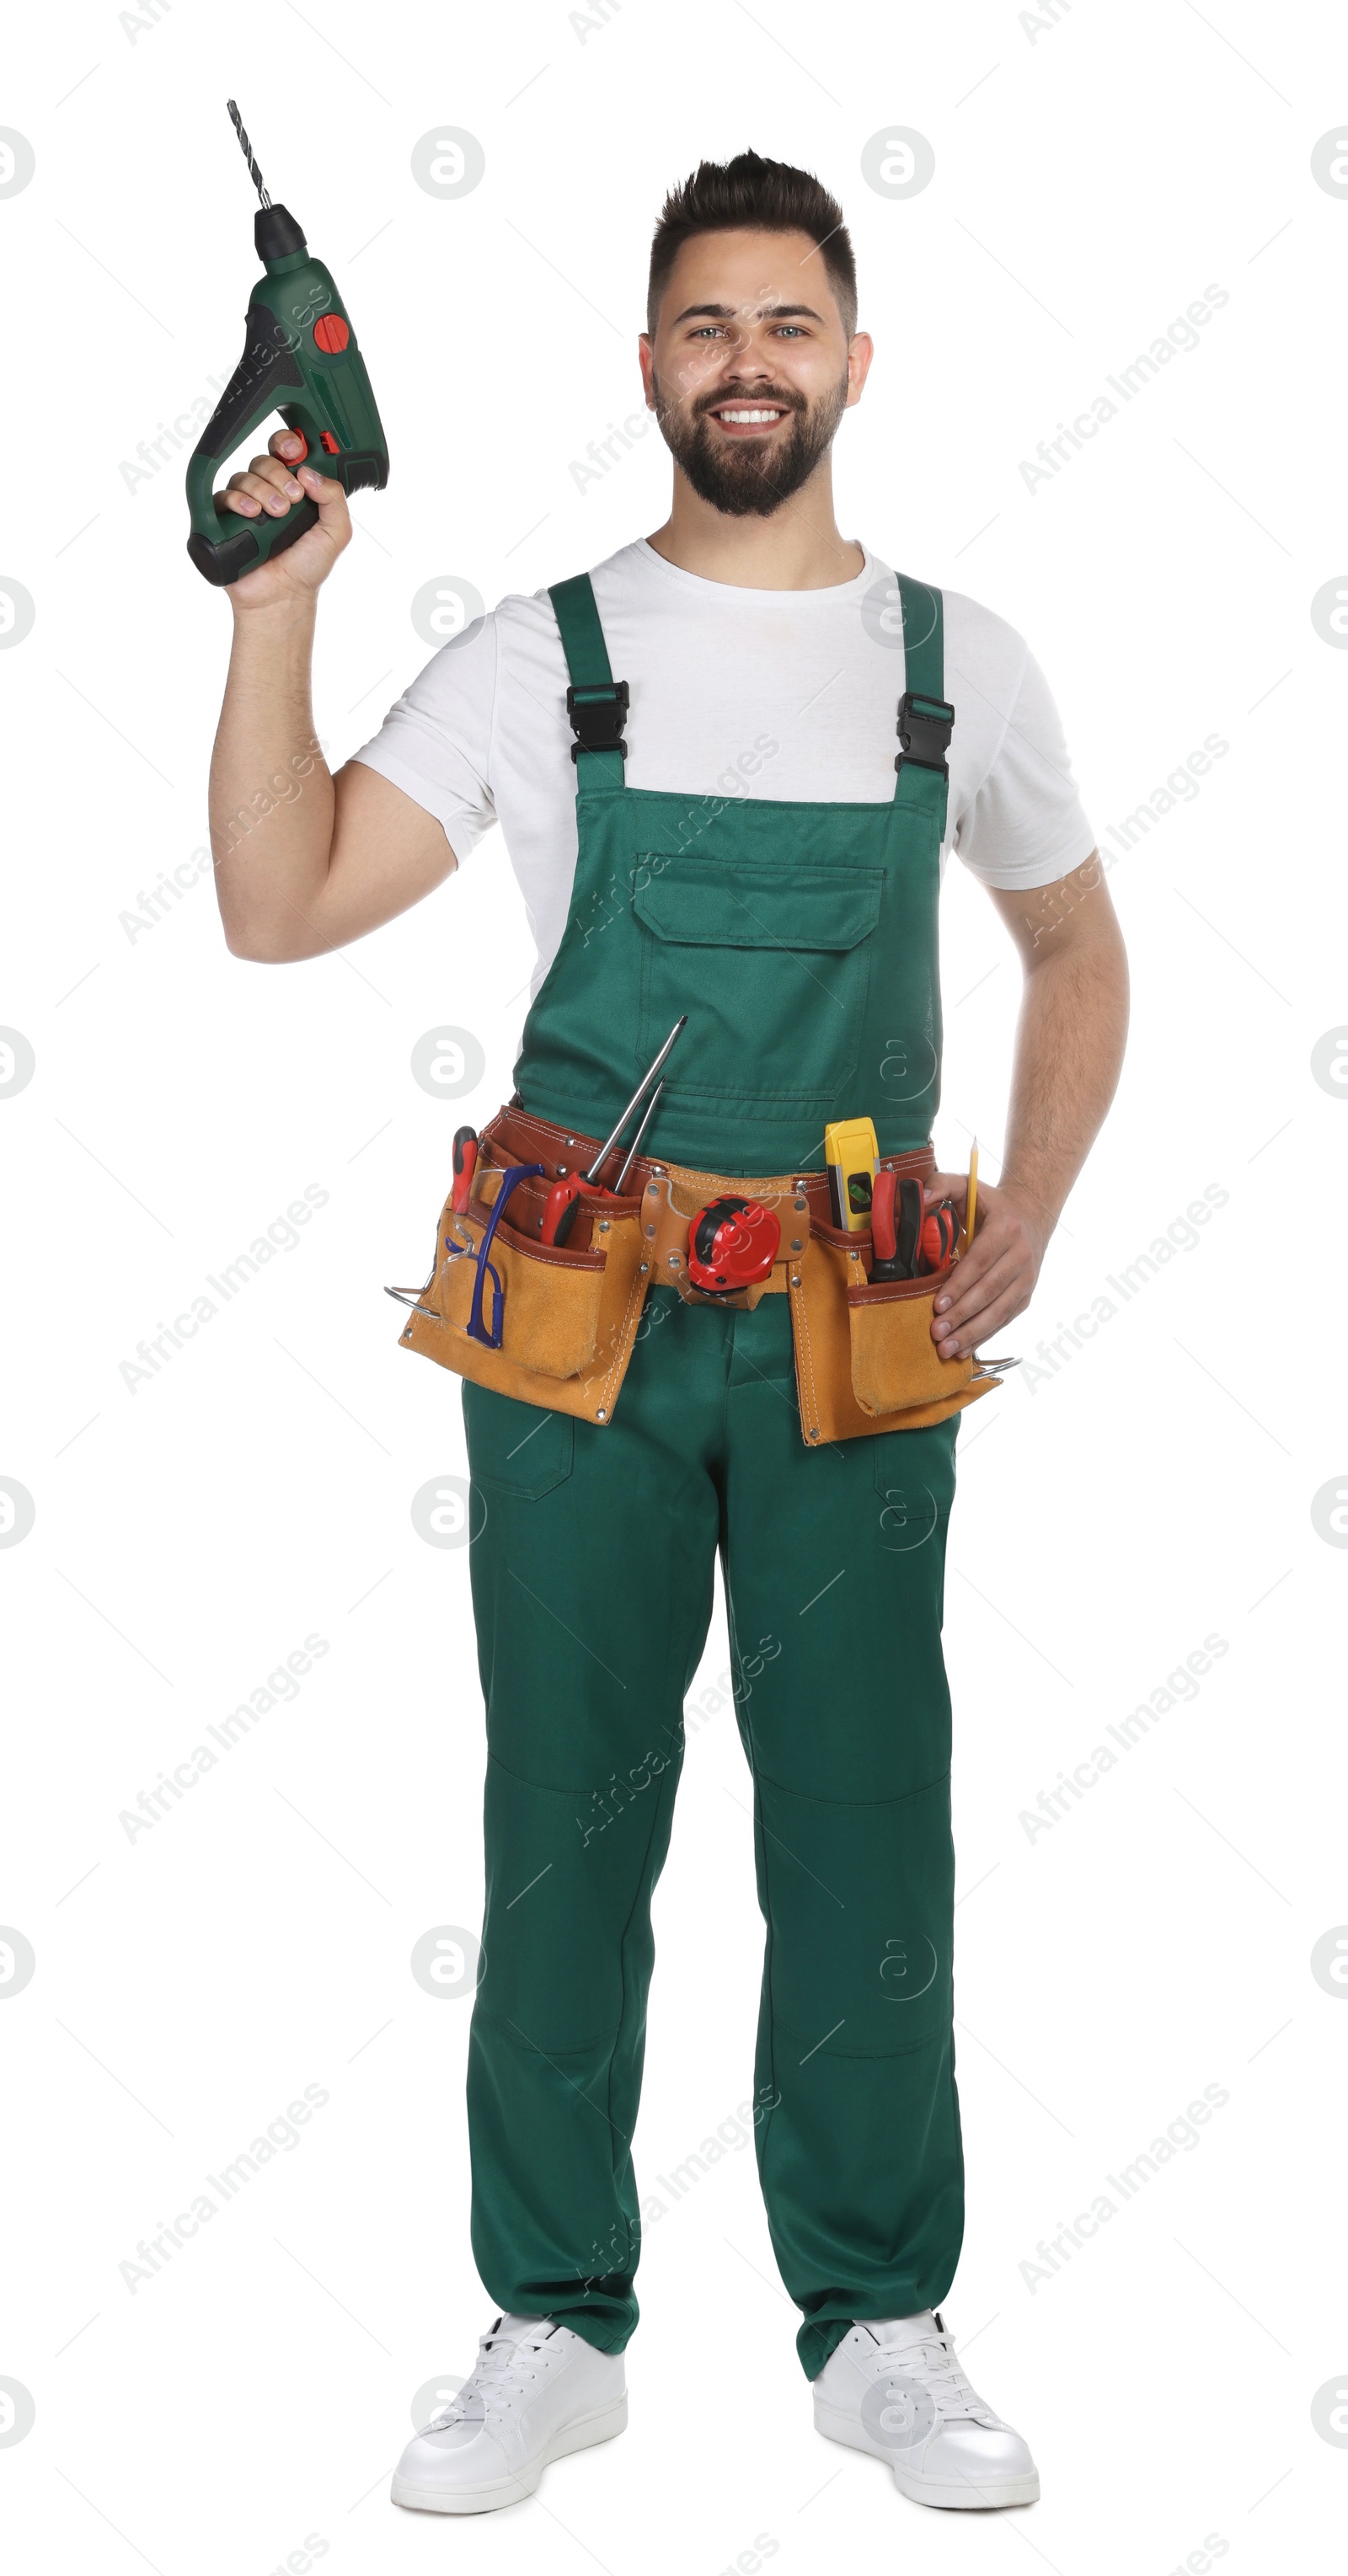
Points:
(732, 1243)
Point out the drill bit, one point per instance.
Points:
(247, 150)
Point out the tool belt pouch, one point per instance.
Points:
(865, 1358)
(568, 1317)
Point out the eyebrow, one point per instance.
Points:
(727, 313)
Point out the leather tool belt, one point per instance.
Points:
(568, 1315)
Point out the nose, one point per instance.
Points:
(745, 356)
(745, 376)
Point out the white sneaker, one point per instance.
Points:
(895, 2389)
(536, 2392)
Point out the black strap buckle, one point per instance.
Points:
(598, 715)
(924, 729)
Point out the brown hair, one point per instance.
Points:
(751, 194)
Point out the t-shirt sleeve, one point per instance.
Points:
(1025, 825)
(436, 741)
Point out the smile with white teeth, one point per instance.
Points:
(742, 418)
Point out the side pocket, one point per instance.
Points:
(915, 1486)
(894, 1359)
(516, 1448)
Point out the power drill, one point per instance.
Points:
(300, 358)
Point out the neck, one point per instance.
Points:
(798, 548)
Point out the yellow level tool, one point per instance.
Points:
(852, 1158)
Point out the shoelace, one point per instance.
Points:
(501, 2361)
(934, 2357)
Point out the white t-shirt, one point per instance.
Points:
(764, 693)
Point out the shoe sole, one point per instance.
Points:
(993, 2493)
(575, 2437)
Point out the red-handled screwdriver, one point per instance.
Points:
(465, 1164)
(883, 1238)
(559, 1215)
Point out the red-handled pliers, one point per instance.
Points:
(908, 1238)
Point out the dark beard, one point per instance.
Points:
(750, 477)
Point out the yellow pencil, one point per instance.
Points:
(971, 1195)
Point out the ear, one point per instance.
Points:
(860, 351)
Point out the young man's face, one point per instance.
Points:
(750, 369)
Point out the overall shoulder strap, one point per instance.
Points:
(595, 702)
(926, 717)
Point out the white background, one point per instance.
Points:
(241, 2409)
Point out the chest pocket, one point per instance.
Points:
(771, 965)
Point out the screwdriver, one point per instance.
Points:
(465, 1164)
(634, 1148)
(559, 1215)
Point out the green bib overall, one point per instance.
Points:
(801, 939)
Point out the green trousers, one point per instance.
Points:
(592, 1589)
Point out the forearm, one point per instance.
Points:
(271, 794)
(1069, 1049)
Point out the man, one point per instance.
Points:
(723, 838)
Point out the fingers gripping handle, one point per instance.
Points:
(223, 545)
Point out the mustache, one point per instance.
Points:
(752, 398)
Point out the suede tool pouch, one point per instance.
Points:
(550, 1299)
(865, 1359)
(894, 1359)
(568, 1316)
